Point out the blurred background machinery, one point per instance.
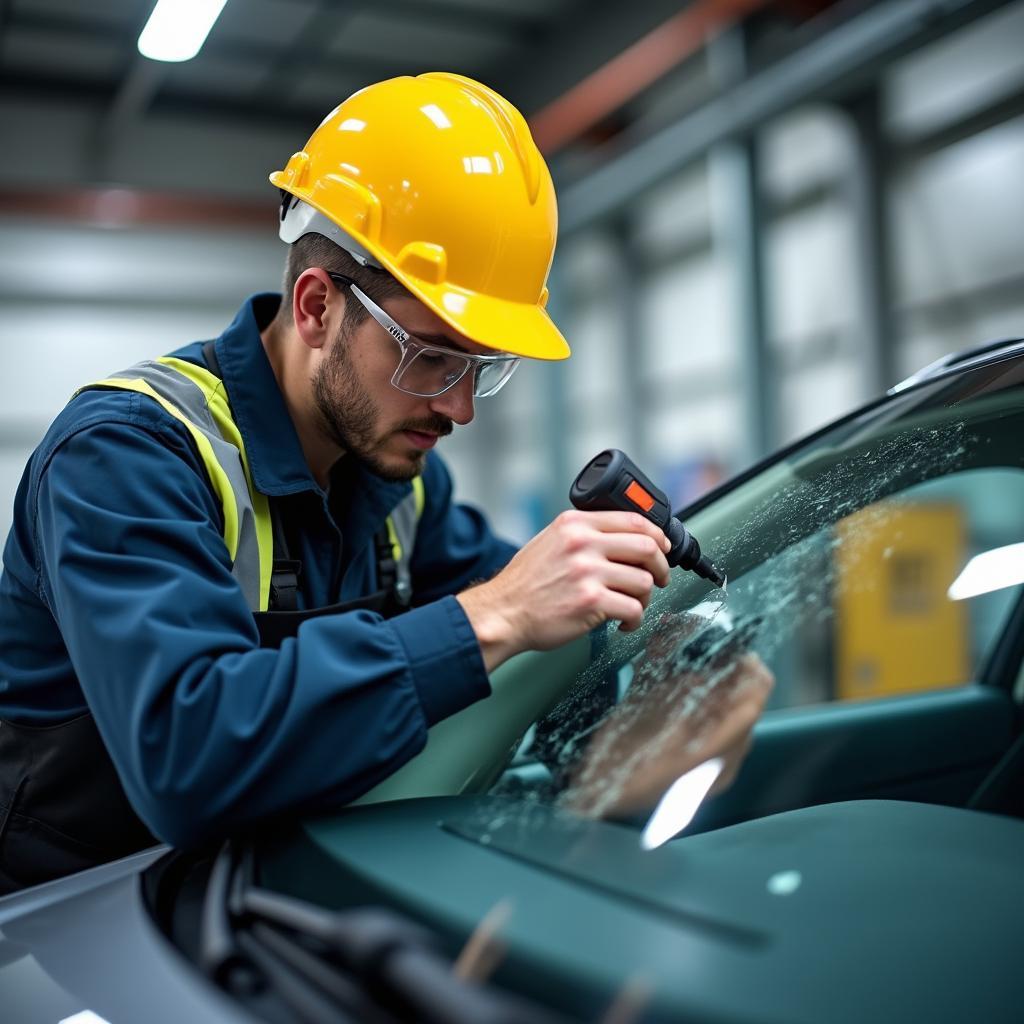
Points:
(770, 211)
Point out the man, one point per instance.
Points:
(236, 584)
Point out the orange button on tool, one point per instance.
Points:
(639, 496)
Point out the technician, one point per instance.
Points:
(236, 584)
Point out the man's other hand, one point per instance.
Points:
(671, 720)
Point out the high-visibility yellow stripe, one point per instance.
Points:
(218, 478)
(396, 547)
(212, 389)
(216, 400)
(419, 498)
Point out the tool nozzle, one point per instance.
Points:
(710, 571)
(686, 553)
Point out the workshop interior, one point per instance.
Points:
(769, 213)
(790, 270)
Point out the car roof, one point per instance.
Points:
(961, 360)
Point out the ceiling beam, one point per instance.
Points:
(247, 53)
(125, 207)
(71, 92)
(999, 110)
(134, 95)
(5, 16)
(584, 35)
(140, 81)
(68, 89)
(833, 65)
(636, 68)
(286, 66)
(523, 26)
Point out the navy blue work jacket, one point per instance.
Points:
(117, 597)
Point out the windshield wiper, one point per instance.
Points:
(368, 966)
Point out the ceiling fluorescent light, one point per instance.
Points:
(177, 29)
(992, 570)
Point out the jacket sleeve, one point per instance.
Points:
(454, 542)
(207, 730)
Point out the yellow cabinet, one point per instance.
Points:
(896, 630)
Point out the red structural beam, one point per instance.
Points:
(128, 207)
(616, 83)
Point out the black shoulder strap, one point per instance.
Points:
(284, 577)
(212, 362)
(284, 580)
(387, 569)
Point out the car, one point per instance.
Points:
(866, 864)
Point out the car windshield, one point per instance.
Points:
(875, 559)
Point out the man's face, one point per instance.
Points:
(362, 412)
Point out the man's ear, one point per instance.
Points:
(315, 304)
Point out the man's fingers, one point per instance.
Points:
(629, 580)
(625, 522)
(627, 609)
(638, 550)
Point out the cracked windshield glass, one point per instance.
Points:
(876, 559)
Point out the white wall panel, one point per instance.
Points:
(811, 396)
(45, 354)
(673, 213)
(807, 148)
(57, 262)
(957, 75)
(959, 216)
(709, 429)
(689, 322)
(928, 340)
(78, 303)
(599, 347)
(587, 265)
(810, 274)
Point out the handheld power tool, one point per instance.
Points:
(612, 482)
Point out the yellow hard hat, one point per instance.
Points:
(437, 179)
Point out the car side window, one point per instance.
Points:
(881, 557)
(876, 611)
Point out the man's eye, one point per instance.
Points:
(433, 359)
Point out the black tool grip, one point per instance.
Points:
(612, 482)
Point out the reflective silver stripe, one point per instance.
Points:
(189, 399)
(404, 517)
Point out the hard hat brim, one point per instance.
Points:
(522, 329)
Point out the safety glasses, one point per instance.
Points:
(428, 370)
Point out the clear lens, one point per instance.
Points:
(490, 377)
(428, 371)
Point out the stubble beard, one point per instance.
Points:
(348, 416)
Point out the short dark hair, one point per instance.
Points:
(314, 250)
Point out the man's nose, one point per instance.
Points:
(457, 403)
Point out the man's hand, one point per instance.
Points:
(670, 721)
(581, 571)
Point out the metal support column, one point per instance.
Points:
(556, 426)
(628, 291)
(738, 226)
(866, 189)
